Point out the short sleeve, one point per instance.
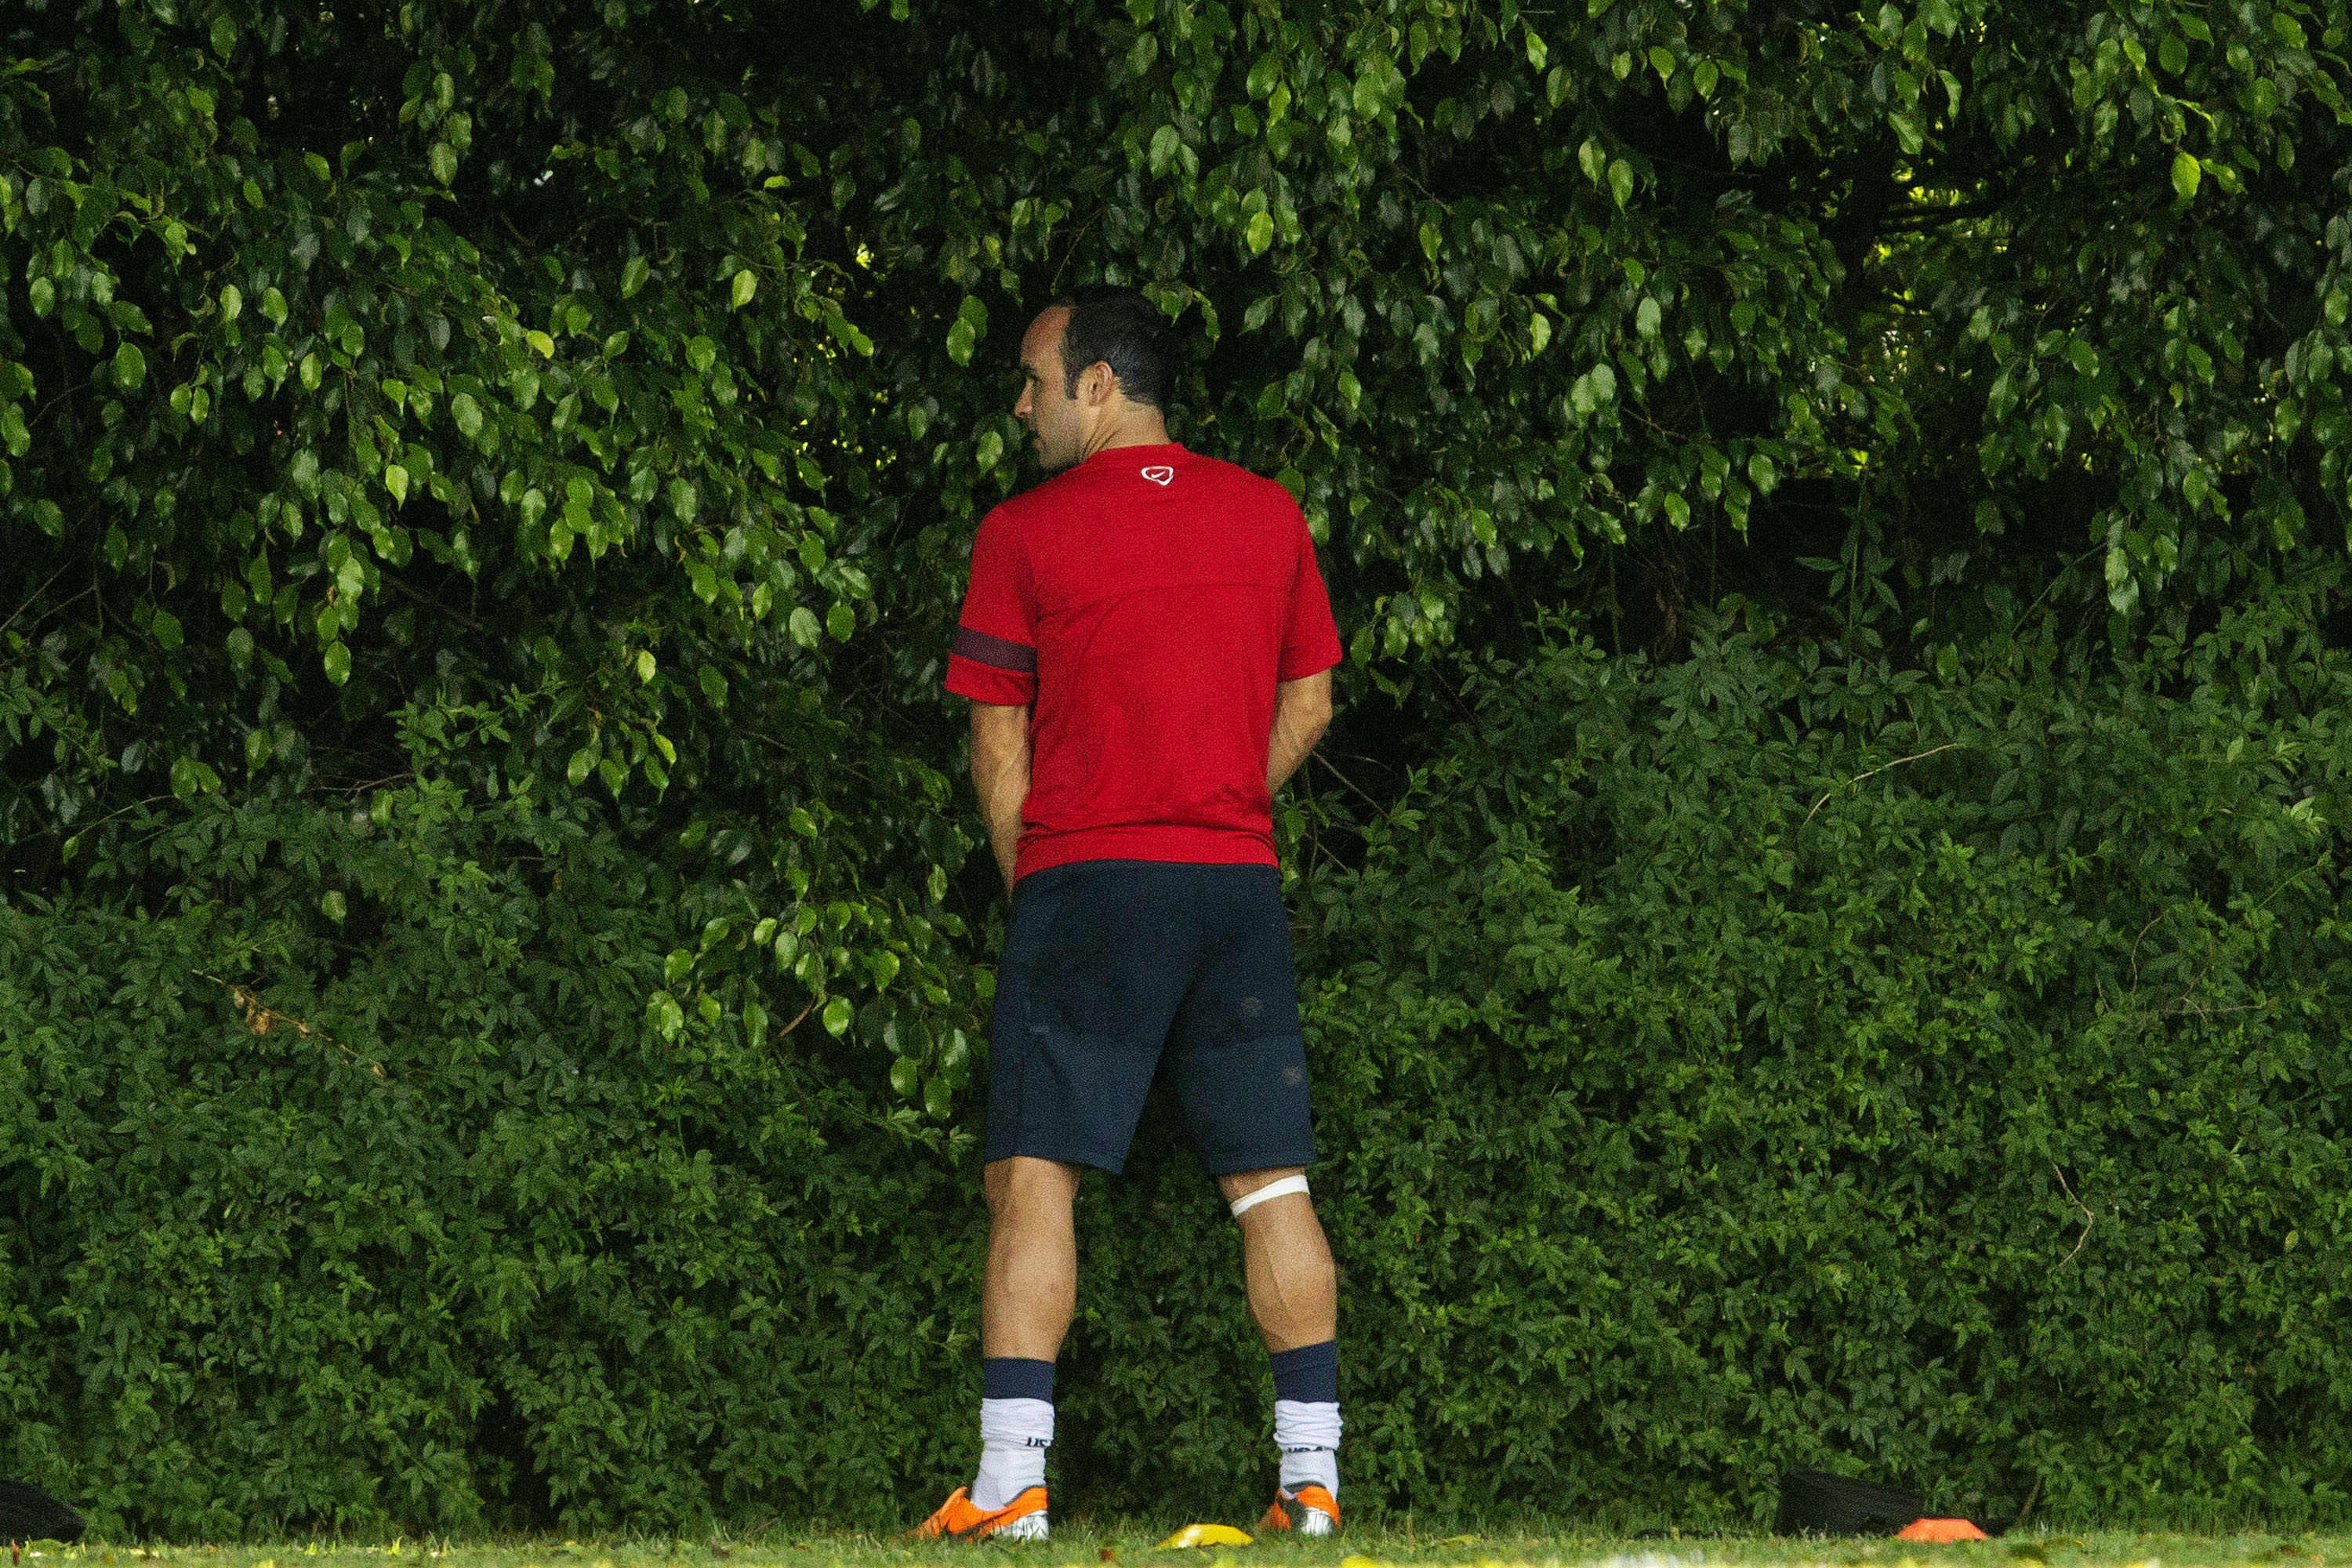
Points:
(994, 656)
(1310, 642)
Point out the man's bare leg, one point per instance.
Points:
(1294, 1298)
(1032, 1284)
(1025, 1299)
(1294, 1292)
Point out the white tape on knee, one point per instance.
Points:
(1277, 1189)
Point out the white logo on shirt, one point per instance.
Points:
(1161, 474)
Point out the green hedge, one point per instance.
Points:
(1718, 1092)
(478, 1247)
(1705, 1091)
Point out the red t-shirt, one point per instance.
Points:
(1146, 601)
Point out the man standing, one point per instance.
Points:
(1147, 649)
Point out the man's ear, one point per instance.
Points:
(1097, 385)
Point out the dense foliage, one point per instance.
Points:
(1952, 1080)
(1702, 1098)
(488, 487)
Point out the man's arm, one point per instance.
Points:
(1302, 711)
(1000, 772)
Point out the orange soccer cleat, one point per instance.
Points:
(959, 1518)
(1309, 1511)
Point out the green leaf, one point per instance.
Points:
(841, 621)
(663, 1015)
(634, 272)
(129, 366)
(582, 762)
(338, 662)
(745, 285)
(1261, 233)
(645, 666)
(2123, 586)
(804, 627)
(331, 905)
(2185, 175)
(165, 629)
(1621, 181)
(443, 160)
(837, 1014)
(467, 414)
(395, 479)
(188, 776)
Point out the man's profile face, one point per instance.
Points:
(1056, 419)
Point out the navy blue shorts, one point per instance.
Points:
(1112, 964)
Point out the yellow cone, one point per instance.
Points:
(1204, 1536)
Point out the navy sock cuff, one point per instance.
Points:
(1309, 1374)
(1016, 1377)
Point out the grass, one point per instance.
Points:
(1084, 1543)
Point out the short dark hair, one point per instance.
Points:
(1118, 327)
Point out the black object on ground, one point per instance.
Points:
(1814, 1502)
(28, 1513)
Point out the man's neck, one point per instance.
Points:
(1134, 425)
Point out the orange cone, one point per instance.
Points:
(1939, 1529)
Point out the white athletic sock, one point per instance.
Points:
(1308, 1437)
(1013, 1436)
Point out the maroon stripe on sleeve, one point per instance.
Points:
(994, 652)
